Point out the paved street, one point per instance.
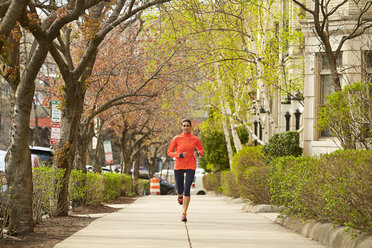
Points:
(154, 221)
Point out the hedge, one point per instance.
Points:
(46, 183)
(92, 188)
(212, 181)
(334, 188)
(228, 184)
(283, 144)
(252, 175)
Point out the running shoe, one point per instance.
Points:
(183, 217)
(180, 200)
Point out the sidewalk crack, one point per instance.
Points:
(188, 235)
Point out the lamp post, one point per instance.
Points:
(255, 130)
(297, 114)
(286, 109)
(298, 107)
(287, 117)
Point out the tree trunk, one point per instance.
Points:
(65, 151)
(152, 162)
(81, 152)
(136, 173)
(8, 21)
(97, 155)
(228, 142)
(36, 134)
(253, 135)
(234, 133)
(126, 151)
(18, 159)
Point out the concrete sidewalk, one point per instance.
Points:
(154, 221)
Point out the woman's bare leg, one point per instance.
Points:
(186, 202)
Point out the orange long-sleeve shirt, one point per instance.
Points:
(185, 142)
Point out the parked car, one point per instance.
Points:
(166, 188)
(105, 169)
(167, 174)
(143, 173)
(44, 153)
(197, 187)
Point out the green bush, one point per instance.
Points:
(348, 188)
(283, 144)
(215, 156)
(212, 181)
(78, 187)
(93, 188)
(347, 114)
(257, 185)
(252, 175)
(46, 183)
(126, 184)
(228, 184)
(294, 183)
(334, 188)
(112, 186)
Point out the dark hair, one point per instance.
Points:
(186, 120)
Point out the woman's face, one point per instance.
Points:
(186, 127)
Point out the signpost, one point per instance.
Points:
(56, 113)
(55, 133)
(108, 152)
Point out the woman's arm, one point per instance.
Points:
(171, 148)
(199, 147)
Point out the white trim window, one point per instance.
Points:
(326, 87)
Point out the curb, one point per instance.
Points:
(327, 233)
(262, 208)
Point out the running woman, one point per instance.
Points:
(182, 148)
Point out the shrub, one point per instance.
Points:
(46, 184)
(252, 174)
(94, 189)
(348, 188)
(228, 184)
(126, 184)
(347, 114)
(77, 187)
(283, 144)
(334, 188)
(212, 181)
(257, 185)
(215, 156)
(294, 183)
(112, 186)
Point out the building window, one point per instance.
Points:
(326, 87)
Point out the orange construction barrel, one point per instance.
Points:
(154, 186)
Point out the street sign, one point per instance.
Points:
(55, 134)
(108, 152)
(56, 113)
